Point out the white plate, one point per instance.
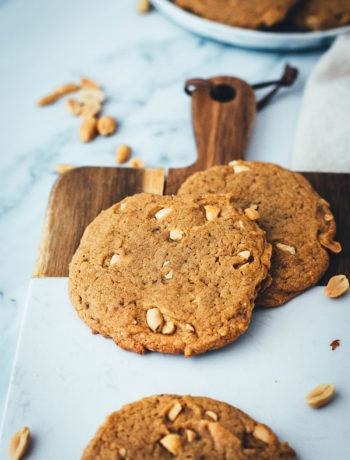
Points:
(248, 38)
(66, 380)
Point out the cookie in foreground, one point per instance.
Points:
(174, 274)
(184, 427)
(297, 221)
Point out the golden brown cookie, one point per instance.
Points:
(321, 14)
(251, 14)
(184, 427)
(297, 221)
(169, 274)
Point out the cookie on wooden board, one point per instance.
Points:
(184, 427)
(321, 14)
(175, 274)
(252, 14)
(297, 221)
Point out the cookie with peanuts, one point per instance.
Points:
(184, 427)
(297, 221)
(174, 274)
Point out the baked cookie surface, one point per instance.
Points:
(321, 14)
(169, 274)
(251, 14)
(184, 427)
(297, 221)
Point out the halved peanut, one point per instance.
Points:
(19, 443)
(262, 432)
(144, 6)
(189, 327)
(47, 100)
(172, 443)
(169, 275)
(251, 213)
(168, 328)
(211, 212)
(163, 213)
(176, 234)
(87, 95)
(286, 248)
(320, 395)
(67, 88)
(240, 168)
(90, 110)
(333, 246)
(212, 415)
(114, 259)
(122, 452)
(337, 286)
(154, 319)
(244, 255)
(174, 411)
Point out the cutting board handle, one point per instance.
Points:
(223, 113)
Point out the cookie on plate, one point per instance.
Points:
(297, 221)
(184, 427)
(321, 14)
(169, 274)
(252, 14)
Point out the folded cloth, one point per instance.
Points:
(322, 140)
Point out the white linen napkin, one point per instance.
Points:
(322, 140)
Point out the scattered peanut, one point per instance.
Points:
(144, 6)
(74, 107)
(172, 443)
(87, 95)
(19, 443)
(174, 411)
(136, 163)
(154, 319)
(87, 130)
(90, 109)
(251, 213)
(286, 248)
(337, 286)
(211, 212)
(61, 169)
(47, 100)
(176, 234)
(122, 154)
(66, 89)
(88, 83)
(212, 415)
(106, 125)
(320, 395)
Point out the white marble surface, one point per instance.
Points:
(267, 373)
(142, 61)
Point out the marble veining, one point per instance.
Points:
(142, 63)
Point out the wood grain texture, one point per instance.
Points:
(222, 128)
(77, 197)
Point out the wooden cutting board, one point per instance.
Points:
(222, 125)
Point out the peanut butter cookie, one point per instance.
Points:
(297, 221)
(169, 274)
(321, 14)
(184, 427)
(252, 14)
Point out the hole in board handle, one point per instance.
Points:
(223, 93)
